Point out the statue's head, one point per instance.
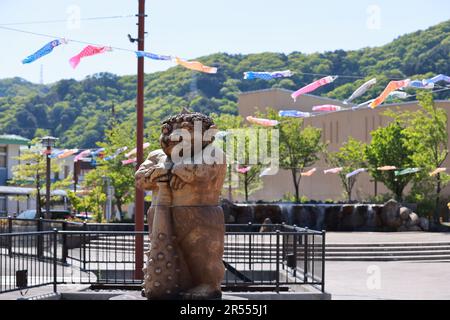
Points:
(175, 128)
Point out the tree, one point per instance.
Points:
(427, 141)
(91, 202)
(250, 181)
(31, 171)
(121, 176)
(389, 147)
(299, 147)
(226, 122)
(351, 156)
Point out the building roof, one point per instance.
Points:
(13, 139)
(23, 191)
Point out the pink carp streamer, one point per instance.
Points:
(313, 86)
(326, 108)
(392, 86)
(333, 170)
(87, 52)
(308, 173)
(132, 152)
(195, 65)
(129, 161)
(387, 168)
(82, 154)
(243, 170)
(262, 122)
(438, 170)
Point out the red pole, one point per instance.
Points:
(139, 195)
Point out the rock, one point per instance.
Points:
(424, 224)
(266, 226)
(229, 210)
(263, 211)
(414, 219)
(390, 214)
(414, 228)
(404, 213)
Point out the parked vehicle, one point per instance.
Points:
(54, 214)
(88, 216)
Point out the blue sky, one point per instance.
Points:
(194, 28)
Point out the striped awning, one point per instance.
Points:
(13, 139)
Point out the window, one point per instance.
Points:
(66, 171)
(2, 206)
(2, 157)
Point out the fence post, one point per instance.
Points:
(40, 247)
(9, 238)
(277, 289)
(323, 260)
(305, 257)
(84, 245)
(294, 249)
(55, 260)
(250, 245)
(64, 243)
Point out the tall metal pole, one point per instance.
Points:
(47, 182)
(139, 195)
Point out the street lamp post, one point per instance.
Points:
(48, 142)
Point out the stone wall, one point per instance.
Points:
(390, 216)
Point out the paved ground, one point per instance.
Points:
(387, 280)
(381, 237)
(42, 291)
(397, 280)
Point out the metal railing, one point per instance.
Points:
(275, 258)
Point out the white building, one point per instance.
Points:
(9, 151)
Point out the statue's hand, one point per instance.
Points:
(176, 182)
(157, 174)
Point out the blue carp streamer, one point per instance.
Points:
(43, 51)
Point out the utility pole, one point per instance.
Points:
(139, 194)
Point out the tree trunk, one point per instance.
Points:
(296, 184)
(438, 192)
(246, 187)
(119, 208)
(398, 193)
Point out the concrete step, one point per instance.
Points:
(388, 249)
(386, 244)
(393, 258)
(388, 253)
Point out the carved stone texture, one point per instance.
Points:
(186, 222)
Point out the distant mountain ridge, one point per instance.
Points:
(79, 111)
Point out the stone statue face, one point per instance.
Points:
(185, 129)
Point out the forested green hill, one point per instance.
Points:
(78, 111)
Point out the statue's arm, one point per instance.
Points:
(191, 173)
(151, 171)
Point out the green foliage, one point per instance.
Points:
(427, 141)
(94, 200)
(78, 112)
(249, 182)
(120, 176)
(299, 147)
(351, 156)
(32, 169)
(389, 147)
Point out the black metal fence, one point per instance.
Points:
(268, 257)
